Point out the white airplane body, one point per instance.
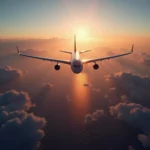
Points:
(76, 63)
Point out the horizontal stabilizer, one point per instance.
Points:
(18, 50)
(65, 51)
(84, 51)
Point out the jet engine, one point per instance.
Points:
(57, 67)
(95, 66)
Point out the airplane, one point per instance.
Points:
(76, 63)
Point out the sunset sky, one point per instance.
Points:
(105, 109)
(62, 18)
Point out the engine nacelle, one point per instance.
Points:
(57, 67)
(95, 66)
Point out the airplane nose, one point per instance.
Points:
(77, 66)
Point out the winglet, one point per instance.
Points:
(132, 48)
(18, 50)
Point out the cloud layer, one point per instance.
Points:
(20, 129)
(145, 59)
(135, 87)
(94, 116)
(8, 74)
(136, 115)
(144, 140)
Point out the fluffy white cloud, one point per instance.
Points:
(135, 87)
(96, 89)
(124, 99)
(13, 100)
(112, 89)
(47, 86)
(134, 114)
(94, 116)
(88, 118)
(144, 140)
(145, 59)
(19, 129)
(8, 74)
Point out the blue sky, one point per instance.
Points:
(48, 18)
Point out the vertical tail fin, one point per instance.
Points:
(74, 43)
(18, 50)
(132, 48)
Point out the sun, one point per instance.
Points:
(81, 33)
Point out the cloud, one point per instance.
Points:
(87, 85)
(98, 113)
(19, 129)
(7, 46)
(45, 90)
(94, 116)
(8, 74)
(96, 89)
(5, 115)
(110, 53)
(134, 114)
(144, 140)
(130, 147)
(124, 99)
(145, 59)
(47, 87)
(68, 98)
(13, 100)
(25, 134)
(106, 96)
(135, 87)
(90, 86)
(88, 118)
(112, 89)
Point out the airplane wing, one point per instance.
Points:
(108, 57)
(43, 58)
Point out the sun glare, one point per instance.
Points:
(81, 95)
(81, 33)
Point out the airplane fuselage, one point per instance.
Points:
(76, 63)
